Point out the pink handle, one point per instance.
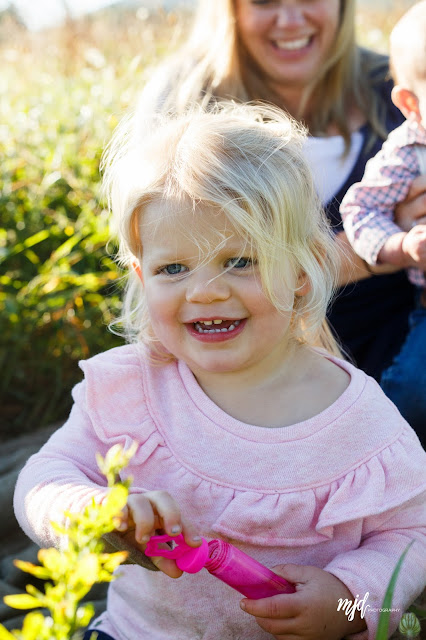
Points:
(189, 559)
(153, 548)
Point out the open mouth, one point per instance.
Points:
(216, 326)
(217, 329)
(293, 45)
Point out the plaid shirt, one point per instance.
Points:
(368, 208)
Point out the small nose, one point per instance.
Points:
(204, 289)
(289, 16)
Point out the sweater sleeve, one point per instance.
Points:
(109, 408)
(62, 476)
(368, 569)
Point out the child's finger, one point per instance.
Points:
(167, 509)
(190, 534)
(122, 520)
(280, 607)
(167, 566)
(143, 516)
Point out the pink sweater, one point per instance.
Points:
(343, 491)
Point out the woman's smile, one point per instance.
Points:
(288, 41)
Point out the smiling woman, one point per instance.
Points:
(289, 43)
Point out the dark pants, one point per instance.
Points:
(404, 382)
(100, 635)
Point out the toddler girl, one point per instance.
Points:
(249, 428)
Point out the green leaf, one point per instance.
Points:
(53, 560)
(87, 570)
(28, 567)
(383, 626)
(113, 560)
(418, 611)
(84, 614)
(33, 625)
(22, 601)
(5, 634)
(29, 242)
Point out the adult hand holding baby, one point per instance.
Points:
(147, 513)
(414, 247)
(413, 209)
(310, 613)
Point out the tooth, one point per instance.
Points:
(292, 44)
(231, 327)
(216, 322)
(208, 322)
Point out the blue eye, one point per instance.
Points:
(173, 269)
(240, 263)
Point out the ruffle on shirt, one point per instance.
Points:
(309, 516)
(114, 400)
(289, 516)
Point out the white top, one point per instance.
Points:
(329, 166)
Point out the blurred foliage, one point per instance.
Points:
(62, 91)
(70, 573)
(61, 94)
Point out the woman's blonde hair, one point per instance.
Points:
(246, 161)
(213, 65)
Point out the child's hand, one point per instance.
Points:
(413, 208)
(414, 247)
(310, 613)
(145, 514)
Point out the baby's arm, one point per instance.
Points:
(369, 568)
(311, 612)
(406, 249)
(63, 476)
(367, 210)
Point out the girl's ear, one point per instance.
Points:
(303, 285)
(407, 102)
(137, 268)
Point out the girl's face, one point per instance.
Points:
(289, 40)
(210, 312)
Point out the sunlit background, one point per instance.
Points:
(44, 13)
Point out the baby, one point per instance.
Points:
(368, 207)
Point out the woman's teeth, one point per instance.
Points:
(292, 45)
(200, 326)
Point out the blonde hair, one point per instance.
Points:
(244, 160)
(408, 61)
(213, 65)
